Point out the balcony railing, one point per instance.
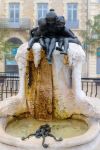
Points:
(24, 23)
(91, 86)
(9, 85)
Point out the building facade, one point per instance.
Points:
(19, 16)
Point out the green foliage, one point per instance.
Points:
(92, 35)
(3, 35)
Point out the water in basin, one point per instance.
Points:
(60, 128)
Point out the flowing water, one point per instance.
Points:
(64, 128)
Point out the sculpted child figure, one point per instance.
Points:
(47, 39)
(34, 37)
(64, 36)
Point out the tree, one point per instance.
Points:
(5, 46)
(92, 35)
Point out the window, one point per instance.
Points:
(14, 10)
(98, 61)
(72, 21)
(72, 12)
(42, 9)
(10, 56)
(98, 1)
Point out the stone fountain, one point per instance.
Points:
(65, 99)
(55, 94)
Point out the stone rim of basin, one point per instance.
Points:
(33, 142)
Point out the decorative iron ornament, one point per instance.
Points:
(43, 131)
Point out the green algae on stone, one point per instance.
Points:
(60, 114)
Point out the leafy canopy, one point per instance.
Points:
(92, 35)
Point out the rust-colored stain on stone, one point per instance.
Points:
(39, 94)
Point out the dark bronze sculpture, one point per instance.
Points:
(47, 39)
(34, 37)
(64, 35)
(43, 131)
(50, 30)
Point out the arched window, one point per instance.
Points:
(98, 61)
(10, 63)
(15, 41)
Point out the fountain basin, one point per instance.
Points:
(22, 127)
(89, 134)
